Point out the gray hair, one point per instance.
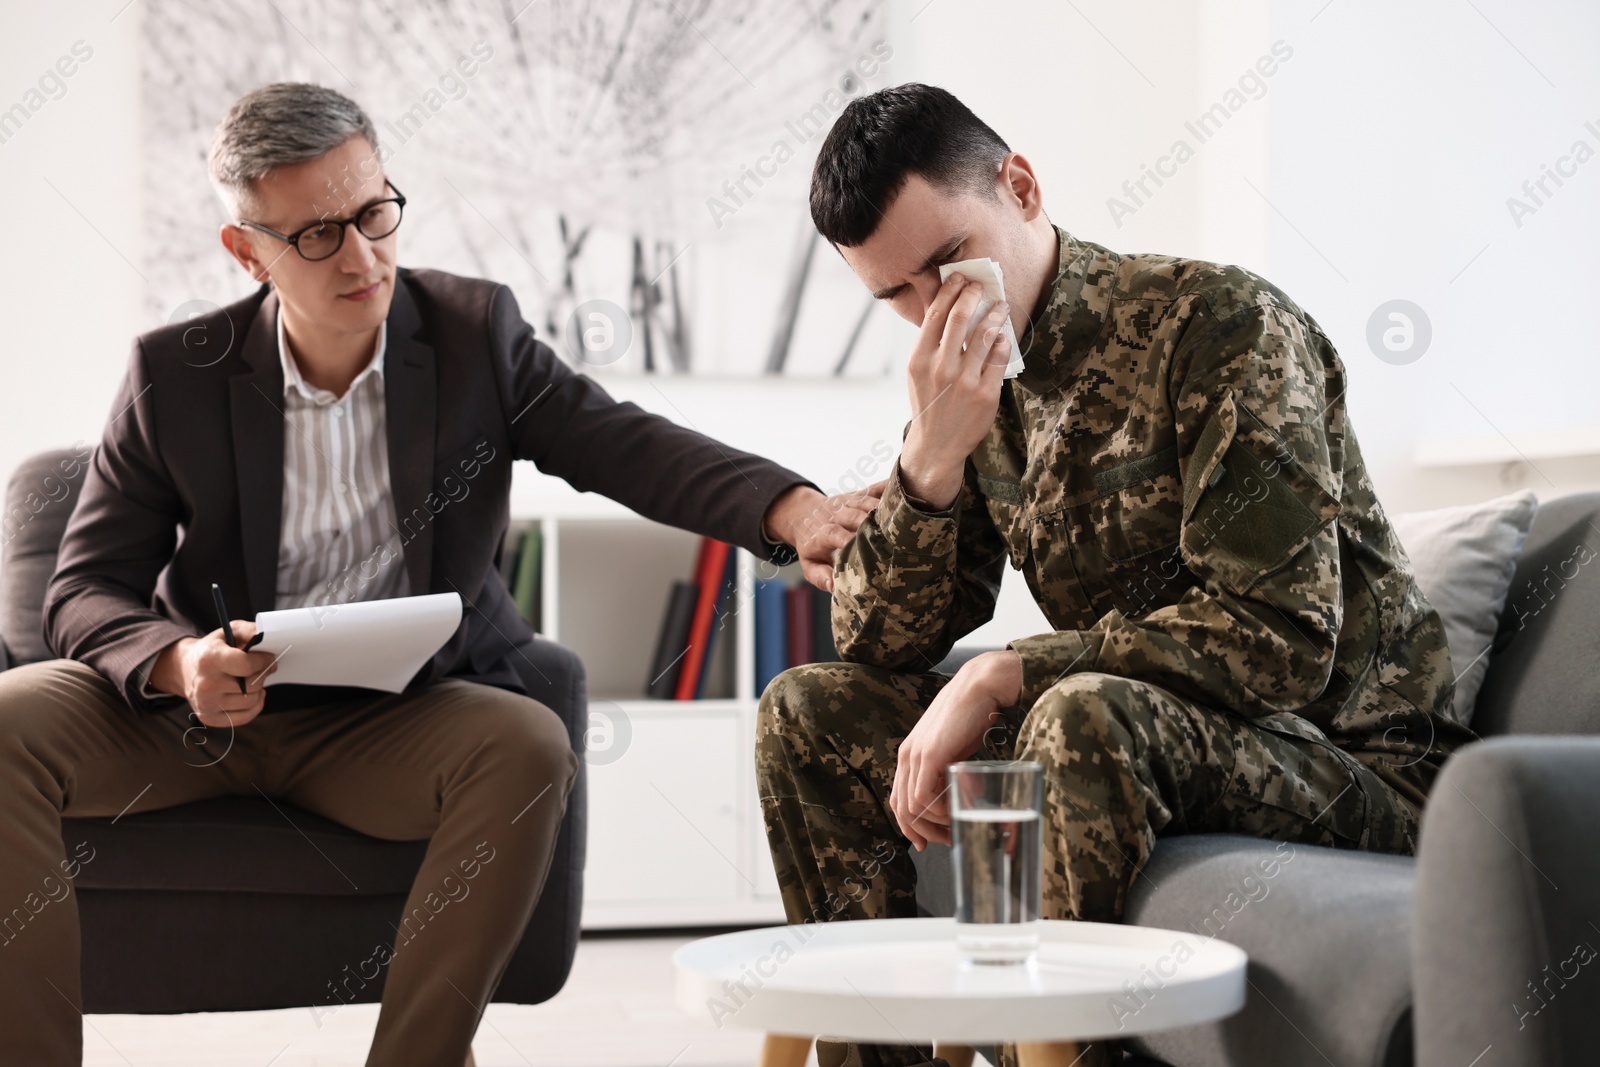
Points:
(275, 126)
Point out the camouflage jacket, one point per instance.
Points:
(1176, 477)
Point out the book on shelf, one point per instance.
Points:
(794, 626)
(697, 610)
(673, 644)
(719, 615)
(528, 587)
(799, 620)
(510, 553)
(772, 651)
(710, 567)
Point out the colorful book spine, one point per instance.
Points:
(799, 618)
(673, 643)
(772, 652)
(510, 552)
(720, 617)
(712, 564)
(529, 587)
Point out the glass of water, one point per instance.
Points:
(996, 834)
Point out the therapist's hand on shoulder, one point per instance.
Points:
(205, 671)
(819, 526)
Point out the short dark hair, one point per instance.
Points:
(883, 138)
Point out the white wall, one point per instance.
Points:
(1385, 145)
(1395, 144)
(71, 189)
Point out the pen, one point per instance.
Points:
(227, 627)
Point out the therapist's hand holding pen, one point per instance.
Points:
(209, 674)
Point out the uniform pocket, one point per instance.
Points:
(1135, 524)
(1248, 507)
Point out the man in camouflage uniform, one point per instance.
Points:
(1238, 644)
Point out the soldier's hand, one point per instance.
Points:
(949, 731)
(955, 390)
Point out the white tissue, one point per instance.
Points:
(987, 271)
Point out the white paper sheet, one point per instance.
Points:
(377, 644)
(987, 271)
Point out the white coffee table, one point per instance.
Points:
(900, 981)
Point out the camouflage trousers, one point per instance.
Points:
(1125, 762)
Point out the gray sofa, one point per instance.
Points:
(175, 900)
(1479, 952)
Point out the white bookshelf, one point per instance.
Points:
(675, 834)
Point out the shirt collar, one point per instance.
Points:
(1073, 317)
(292, 378)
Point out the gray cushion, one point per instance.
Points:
(1464, 559)
(39, 499)
(1508, 897)
(1327, 932)
(1542, 677)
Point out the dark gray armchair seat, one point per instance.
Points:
(238, 903)
(1469, 953)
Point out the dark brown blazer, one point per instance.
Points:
(186, 486)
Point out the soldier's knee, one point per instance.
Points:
(817, 699)
(1089, 692)
(1087, 709)
(794, 700)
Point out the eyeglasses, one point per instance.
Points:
(322, 239)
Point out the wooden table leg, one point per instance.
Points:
(783, 1050)
(954, 1055)
(1061, 1054)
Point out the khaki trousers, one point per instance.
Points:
(480, 771)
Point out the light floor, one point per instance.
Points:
(616, 1010)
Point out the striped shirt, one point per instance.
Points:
(339, 538)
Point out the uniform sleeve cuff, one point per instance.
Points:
(911, 526)
(1048, 658)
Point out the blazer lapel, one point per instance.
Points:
(256, 399)
(411, 403)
